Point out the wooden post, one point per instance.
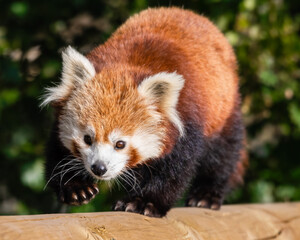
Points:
(233, 222)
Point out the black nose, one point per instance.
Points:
(99, 168)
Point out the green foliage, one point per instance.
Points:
(265, 35)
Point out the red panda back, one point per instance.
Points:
(172, 39)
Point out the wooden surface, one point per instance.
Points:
(243, 222)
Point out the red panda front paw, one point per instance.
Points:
(208, 200)
(77, 194)
(137, 205)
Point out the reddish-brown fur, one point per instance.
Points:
(75, 149)
(164, 40)
(134, 157)
(210, 156)
(236, 177)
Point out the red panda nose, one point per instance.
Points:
(99, 168)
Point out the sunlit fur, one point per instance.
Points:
(164, 89)
(165, 83)
(98, 105)
(111, 103)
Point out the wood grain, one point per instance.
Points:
(233, 222)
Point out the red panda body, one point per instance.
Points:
(159, 102)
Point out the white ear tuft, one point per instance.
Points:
(75, 71)
(163, 89)
(76, 67)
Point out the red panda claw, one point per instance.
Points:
(83, 195)
(151, 211)
(137, 205)
(203, 203)
(131, 207)
(192, 202)
(209, 200)
(119, 206)
(95, 189)
(90, 192)
(73, 194)
(215, 206)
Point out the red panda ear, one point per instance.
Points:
(163, 90)
(75, 71)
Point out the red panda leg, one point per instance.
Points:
(208, 196)
(219, 169)
(162, 181)
(157, 191)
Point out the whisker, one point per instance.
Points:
(77, 166)
(68, 163)
(64, 159)
(109, 184)
(53, 176)
(130, 182)
(134, 172)
(73, 176)
(121, 182)
(117, 182)
(149, 168)
(57, 166)
(131, 175)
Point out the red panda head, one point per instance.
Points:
(110, 122)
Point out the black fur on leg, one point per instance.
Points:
(222, 152)
(162, 181)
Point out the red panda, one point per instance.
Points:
(156, 106)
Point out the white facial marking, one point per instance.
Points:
(69, 130)
(114, 161)
(115, 135)
(90, 130)
(148, 144)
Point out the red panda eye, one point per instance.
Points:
(88, 140)
(120, 145)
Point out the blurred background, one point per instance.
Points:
(264, 34)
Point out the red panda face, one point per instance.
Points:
(107, 121)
